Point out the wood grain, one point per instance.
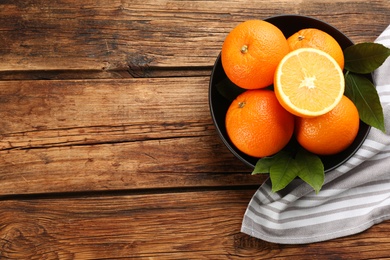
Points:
(69, 136)
(166, 163)
(102, 111)
(107, 147)
(180, 225)
(139, 37)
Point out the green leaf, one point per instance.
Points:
(365, 57)
(364, 95)
(263, 165)
(283, 170)
(311, 169)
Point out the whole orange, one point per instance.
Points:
(257, 124)
(251, 52)
(330, 133)
(318, 39)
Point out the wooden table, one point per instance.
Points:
(107, 147)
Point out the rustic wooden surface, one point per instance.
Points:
(107, 148)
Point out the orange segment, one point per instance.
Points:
(308, 82)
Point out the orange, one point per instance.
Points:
(315, 38)
(257, 124)
(251, 52)
(309, 82)
(330, 133)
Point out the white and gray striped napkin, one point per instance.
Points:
(354, 197)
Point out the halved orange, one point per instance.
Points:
(309, 82)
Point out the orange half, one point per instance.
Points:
(309, 82)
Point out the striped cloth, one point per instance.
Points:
(354, 197)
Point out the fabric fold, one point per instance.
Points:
(354, 197)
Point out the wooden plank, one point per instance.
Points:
(69, 136)
(38, 113)
(184, 225)
(140, 36)
(167, 163)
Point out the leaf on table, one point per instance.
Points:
(283, 170)
(364, 95)
(365, 57)
(311, 169)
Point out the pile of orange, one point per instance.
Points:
(307, 98)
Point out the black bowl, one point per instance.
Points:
(220, 98)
